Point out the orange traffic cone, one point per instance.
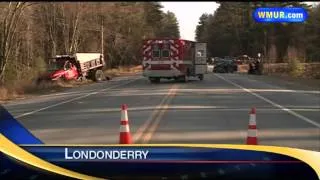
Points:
(125, 136)
(252, 137)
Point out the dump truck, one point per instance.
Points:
(75, 67)
(176, 59)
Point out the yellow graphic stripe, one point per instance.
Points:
(312, 158)
(17, 152)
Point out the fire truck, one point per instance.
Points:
(176, 59)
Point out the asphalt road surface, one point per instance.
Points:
(212, 111)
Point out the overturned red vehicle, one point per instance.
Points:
(75, 67)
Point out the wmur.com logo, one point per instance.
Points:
(280, 15)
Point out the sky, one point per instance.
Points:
(188, 14)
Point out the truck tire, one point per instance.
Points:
(201, 77)
(98, 76)
(184, 78)
(154, 80)
(230, 69)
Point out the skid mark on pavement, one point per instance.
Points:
(73, 99)
(271, 102)
(146, 131)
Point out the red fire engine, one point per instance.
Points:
(174, 59)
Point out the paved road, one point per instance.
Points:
(211, 111)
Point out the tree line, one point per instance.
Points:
(232, 31)
(31, 33)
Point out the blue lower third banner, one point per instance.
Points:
(135, 162)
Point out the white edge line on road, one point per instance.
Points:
(271, 102)
(73, 99)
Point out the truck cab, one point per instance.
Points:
(63, 67)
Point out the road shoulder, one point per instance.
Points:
(286, 82)
(69, 89)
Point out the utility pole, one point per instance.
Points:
(54, 31)
(265, 49)
(102, 51)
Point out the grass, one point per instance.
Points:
(306, 74)
(120, 71)
(23, 89)
(301, 70)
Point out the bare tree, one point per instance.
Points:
(72, 15)
(8, 26)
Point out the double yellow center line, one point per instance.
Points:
(146, 131)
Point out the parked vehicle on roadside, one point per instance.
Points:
(226, 65)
